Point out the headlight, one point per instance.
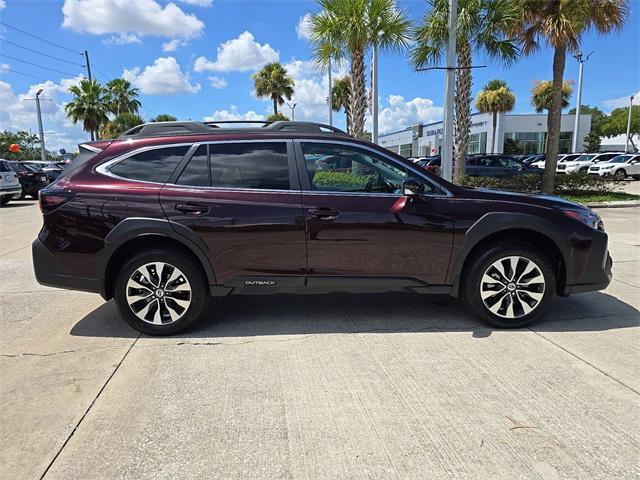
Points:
(586, 216)
(606, 167)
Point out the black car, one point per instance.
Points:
(51, 169)
(497, 166)
(31, 178)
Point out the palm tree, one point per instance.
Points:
(272, 81)
(164, 117)
(496, 97)
(278, 117)
(89, 105)
(120, 124)
(560, 25)
(346, 29)
(542, 94)
(122, 97)
(340, 97)
(482, 27)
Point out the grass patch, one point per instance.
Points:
(600, 197)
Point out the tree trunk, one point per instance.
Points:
(275, 106)
(493, 133)
(462, 109)
(357, 94)
(554, 118)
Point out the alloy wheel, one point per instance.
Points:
(512, 287)
(158, 293)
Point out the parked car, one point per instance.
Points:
(9, 183)
(621, 167)
(31, 178)
(496, 165)
(51, 169)
(564, 157)
(583, 162)
(432, 164)
(162, 221)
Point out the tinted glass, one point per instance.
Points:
(4, 166)
(151, 166)
(18, 167)
(196, 173)
(261, 165)
(342, 168)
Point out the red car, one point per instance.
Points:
(173, 213)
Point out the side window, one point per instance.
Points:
(343, 168)
(262, 165)
(196, 173)
(150, 166)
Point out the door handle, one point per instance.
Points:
(192, 208)
(324, 213)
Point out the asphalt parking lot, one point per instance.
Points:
(324, 386)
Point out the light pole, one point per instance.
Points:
(447, 140)
(374, 92)
(626, 145)
(43, 152)
(576, 125)
(292, 106)
(330, 97)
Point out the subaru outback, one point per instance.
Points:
(171, 214)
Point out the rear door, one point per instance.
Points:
(242, 198)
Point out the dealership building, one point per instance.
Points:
(515, 133)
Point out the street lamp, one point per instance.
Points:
(576, 125)
(292, 106)
(447, 140)
(374, 88)
(43, 152)
(626, 145)
(330, 97)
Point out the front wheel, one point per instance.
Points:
(161, 291)
(509, 286)
(4, 200)
(620, 174)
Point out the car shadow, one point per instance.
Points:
(243, 316)
(18, 203)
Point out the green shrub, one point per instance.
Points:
(566, 184)
(340, 179)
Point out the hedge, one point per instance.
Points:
(569, 184)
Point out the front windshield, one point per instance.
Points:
(584, 158)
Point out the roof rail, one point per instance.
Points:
(163, 129)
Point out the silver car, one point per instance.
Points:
(9, 183)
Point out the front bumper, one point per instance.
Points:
(49, 272)
(594, 269)
(13, 190)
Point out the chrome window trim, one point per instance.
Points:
(90, 148)
(447, 193)
(104, 168)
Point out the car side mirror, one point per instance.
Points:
(411, 187)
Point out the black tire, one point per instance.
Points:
(4, 200)
(636, 177)
(584, 169)
(196, 281)
(620, 174)
(473, 274)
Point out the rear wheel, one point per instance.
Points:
(161, 291)
(509, 286)
(4, 200)
(636, 177)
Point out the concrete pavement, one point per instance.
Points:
(339, 386)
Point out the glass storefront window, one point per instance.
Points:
(406, 150)
(477, 143)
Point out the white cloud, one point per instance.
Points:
(122, 39)
(218, 83)
(4, 66)
(2, 4)
(239, 54)
(401, 113)
(233, 114)
(164, 77)
(20, 113)
(173, 45)
(198, 3)
(622, 101)
(133, 18)
(304, 27)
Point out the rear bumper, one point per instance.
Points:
(49, 272)
(596, 274)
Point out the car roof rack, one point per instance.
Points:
(165, 129)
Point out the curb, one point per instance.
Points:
(618, 204)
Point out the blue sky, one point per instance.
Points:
(194, 59)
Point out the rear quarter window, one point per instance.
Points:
(4, 166)
(154, 165)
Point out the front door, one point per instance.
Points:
(243, 200)
(360, 228)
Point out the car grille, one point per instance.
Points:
(594, 169)
(562, 167)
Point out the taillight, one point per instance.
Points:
(51, 199)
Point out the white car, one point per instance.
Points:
(9, 183)
(583, 162)
(620, 167)
(565, 157)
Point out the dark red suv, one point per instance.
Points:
(173, 213)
